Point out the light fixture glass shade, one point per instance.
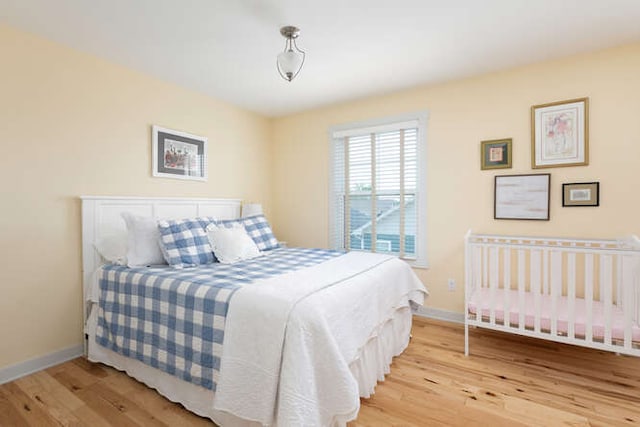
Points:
(290, 63)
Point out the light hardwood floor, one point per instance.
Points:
(507, 380)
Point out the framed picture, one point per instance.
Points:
(178, 154)
(522, 197)
(495, 154)
(581, 194)
(560, 134)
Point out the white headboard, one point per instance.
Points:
(101, 217)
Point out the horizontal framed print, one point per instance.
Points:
(560, 134)
(522, 197)
(178, 154)
(581, 194)
(495, 154)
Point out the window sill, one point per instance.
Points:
(413, 263)
(416, 264)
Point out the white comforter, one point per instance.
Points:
(289, 339)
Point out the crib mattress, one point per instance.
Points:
(483, 300)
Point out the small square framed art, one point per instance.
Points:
(495, 154)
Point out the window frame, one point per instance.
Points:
(380, 125)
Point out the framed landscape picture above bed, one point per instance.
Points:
(178, 154)
(522, 197)
(560, 134)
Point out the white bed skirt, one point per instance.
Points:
(370, 366)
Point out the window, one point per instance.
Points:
(377, 200)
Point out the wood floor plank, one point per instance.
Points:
(145, 397)
(105, 400)
(104, 408)
(49, 385)
(454, 382)
(91, 418)
(9, 415)
(97, 370)
(29, 409)
(74, 377)
(507, 381)
(60, 409)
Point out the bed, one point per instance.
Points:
(294, 337)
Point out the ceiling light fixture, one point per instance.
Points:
(290, 61)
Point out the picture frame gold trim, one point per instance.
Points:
(581, 128)
(485, 156)
(580, 200)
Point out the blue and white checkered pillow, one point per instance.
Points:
(184, 242)
(259, 229)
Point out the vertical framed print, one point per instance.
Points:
(560, 134)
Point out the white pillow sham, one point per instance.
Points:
(232, 244)
(142, 241)
(113, 248)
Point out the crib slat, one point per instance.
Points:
(545, 270)
(606, 287)
(485, 266)
(506, 321)
(494, 253)
(555, 282)
(619, 280)
(536, 265)
(477, 278)
(627, 280)
(588, 296)
(521, 305)
(571, 295)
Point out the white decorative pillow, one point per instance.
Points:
(142, 241)
(113, 248)
(231, 244)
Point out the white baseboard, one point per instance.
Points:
(438, 314)
(13, 372)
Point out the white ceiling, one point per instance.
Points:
(355, 48)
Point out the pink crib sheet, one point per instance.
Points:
(617, 316)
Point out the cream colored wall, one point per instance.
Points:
(460, 195)
(72, 124)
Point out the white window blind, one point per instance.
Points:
(376, 201)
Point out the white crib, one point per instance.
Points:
(574, 291)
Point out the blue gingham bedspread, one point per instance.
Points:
(173, 319)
